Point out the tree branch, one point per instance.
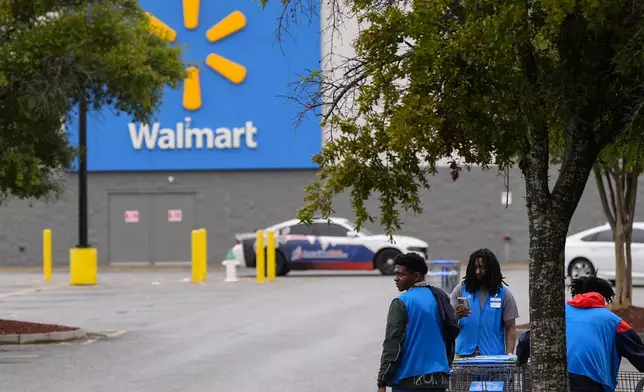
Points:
(341, 93)
(535, 170)
(602, 195)
(611, 193)
(579, 159)
(619, 196)
(535, 166)
(322, 90)
(631, 197)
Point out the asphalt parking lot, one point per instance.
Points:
(161, 333)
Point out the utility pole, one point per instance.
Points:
(82, 174)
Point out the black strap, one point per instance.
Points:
(449, 343)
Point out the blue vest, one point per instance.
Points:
(483, 328)
(423, 348)
(590, 339)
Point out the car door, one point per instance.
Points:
(602, 251)
(297, 243)
(340, 249)
(333, 242)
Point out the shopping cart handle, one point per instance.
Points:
(487, 360)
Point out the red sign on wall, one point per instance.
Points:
(131, 216)
(175, 216)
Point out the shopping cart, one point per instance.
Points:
(500, 373)
(489, 373)
(629, 381)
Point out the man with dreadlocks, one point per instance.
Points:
(596, 338)
(485, 308)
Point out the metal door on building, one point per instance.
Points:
(150, 227)
(173, 221)
(129, 222)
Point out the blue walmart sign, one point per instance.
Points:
(230, 112)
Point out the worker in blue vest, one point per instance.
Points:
(596, 338)
(485, 309)
(419, 333)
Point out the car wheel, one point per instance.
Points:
(580, 267)
(385, 261)
(281, 265)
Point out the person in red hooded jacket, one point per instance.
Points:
(596, 338)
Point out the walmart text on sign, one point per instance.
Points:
(185, 137)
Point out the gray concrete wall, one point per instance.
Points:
(459, 216)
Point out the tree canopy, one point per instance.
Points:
(502, 82)
(439, 78)
(52, 53)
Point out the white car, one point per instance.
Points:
(594, 250)
(329, 246)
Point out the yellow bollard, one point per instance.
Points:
(83, 266)
(196, 264)
(204, 253)
(270, 255)
(260, 260)
(46, 254)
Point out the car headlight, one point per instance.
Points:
(419, 249)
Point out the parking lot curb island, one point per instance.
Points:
(49, 337)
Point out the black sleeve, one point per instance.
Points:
(630, 346)
(392, 345)
(523, 348)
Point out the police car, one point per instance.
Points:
(324, 245)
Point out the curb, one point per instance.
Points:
(49, 337)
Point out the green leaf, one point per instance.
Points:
(51, 54)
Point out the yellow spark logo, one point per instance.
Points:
(229, 69)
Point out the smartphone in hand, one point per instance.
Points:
(463, 306)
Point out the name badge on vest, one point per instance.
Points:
(495, 302)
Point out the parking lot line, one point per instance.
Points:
(105, 334)
(117, 333)
(18, 356)
(32, 290)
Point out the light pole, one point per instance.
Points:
(83, 259)
(82, 175)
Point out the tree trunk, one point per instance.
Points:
(547, 304)
(620, 233)
(628, 282)
(631, 201)
(620, 270)
(549, 371)
(608, 212)
(618, 204)
(549, 216)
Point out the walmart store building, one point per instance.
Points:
(223, 154)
